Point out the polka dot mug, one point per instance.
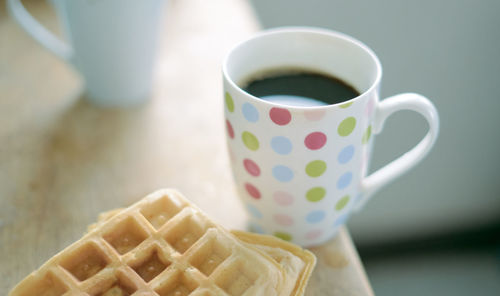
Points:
(301, 170)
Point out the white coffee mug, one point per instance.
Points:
(302, 170)
(112, 43)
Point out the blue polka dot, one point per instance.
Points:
(346, 154)
(281, 145)
(282, 173)
(256, 228)
(254, 211)
(250, 112)
(340, 220)
(315, 216)
(344, 181)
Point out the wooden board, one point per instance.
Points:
(62, 160)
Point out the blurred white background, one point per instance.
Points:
(437, 228)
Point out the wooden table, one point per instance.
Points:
(63, 161)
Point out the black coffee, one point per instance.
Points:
(299, 88)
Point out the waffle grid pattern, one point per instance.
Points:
(161, 246)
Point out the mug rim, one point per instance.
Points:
(305, 29)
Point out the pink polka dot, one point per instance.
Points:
(252, 190)
(314, 234)
(283, 220)
(283, 198)
(280, 116)
(251, 167)
(369, 107)
(315, 140)
(314, 115)
(230, 130)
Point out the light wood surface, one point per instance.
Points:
(63, 161)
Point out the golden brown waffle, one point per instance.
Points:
(297, 263)
(163, 245)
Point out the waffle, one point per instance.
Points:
(163, 245)
(297, 263)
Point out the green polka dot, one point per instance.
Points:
(346, 105)
(315, 168)
(366, 135)
(229, 102)
(250, 141)
(283, 235)
(342, 203)
(316, 194)
(346, 126)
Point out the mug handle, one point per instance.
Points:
(39, 32)
(383, 176)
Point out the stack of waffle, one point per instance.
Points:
(165, 246)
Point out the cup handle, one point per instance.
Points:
(39, 32)
(383, 176)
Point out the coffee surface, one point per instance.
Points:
(299, 87)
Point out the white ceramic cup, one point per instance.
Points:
(302, 170)
(112, 43)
